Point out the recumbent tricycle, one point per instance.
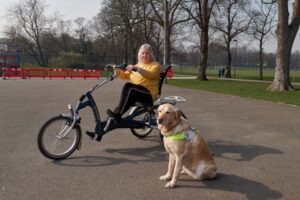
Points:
(61, 135)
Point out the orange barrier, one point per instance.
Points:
(50, 73)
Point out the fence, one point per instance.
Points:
(49, 73)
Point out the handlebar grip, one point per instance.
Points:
(123, 66)
(108, 67)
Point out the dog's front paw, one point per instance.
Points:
(170, 185)
(183, 172)
(165, 178)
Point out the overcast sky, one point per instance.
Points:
(71, 9)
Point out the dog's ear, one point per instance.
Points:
(178, 114)
(183, 115)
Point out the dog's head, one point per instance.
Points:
(168, 117)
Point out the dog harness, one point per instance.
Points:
(184, 135)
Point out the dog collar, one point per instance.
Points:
(183, 135)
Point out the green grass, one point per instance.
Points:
(243, 89)
(241, 73)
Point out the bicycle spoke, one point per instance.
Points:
(52, 146)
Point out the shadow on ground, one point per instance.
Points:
(225, 182)
(253, 190)
(118, 155)
(238, 152)
(156, 153)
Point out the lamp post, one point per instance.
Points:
(235, 58)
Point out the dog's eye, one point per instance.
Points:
(167, 112)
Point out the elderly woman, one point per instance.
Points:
(143, 83)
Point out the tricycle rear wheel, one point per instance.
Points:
(145, 116)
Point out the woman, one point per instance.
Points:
(143, 85)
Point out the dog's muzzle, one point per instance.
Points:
(160, 121)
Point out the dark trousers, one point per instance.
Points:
(131, 94)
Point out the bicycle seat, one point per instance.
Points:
(162, 78)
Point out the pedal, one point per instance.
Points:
(97, 137)
(94, 136)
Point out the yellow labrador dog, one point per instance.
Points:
(188, 152)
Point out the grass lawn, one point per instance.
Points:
(243, 89)
(241, 73)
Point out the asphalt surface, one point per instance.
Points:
(256, 146)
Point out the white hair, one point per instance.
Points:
(148, 48)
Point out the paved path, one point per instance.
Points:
(256, 146)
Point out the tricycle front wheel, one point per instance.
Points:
(54, 142)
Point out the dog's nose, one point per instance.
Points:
(159, 121)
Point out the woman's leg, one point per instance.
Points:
(132, 93)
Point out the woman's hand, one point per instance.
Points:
(131, 68)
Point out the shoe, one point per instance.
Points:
(116, 116)
(92, 135)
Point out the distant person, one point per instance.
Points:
(223, 72)
(219, 72)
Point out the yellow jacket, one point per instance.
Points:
(150, 80)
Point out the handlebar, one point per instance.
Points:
(113, 68)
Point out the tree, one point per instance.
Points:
(121, 19)
(28, 24)
(200, 11)
(263, 25)
(286, 32)
(167, 14)
(107, 42)
(63, 33)
(231, 19)
(82, 31)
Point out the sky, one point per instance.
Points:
(71, 9)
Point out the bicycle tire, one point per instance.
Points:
(141, 132)
(49, 130)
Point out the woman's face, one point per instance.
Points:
(145, 56)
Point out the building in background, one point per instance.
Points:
(9, 55)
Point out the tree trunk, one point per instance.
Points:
(133, 51)
(282, 71)
(228, 66)
(286, 34)
(33, 53)
(41, 55)
(167, 36)
(167, 56)
(203, 54)
(126, 51)
(260, 61)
